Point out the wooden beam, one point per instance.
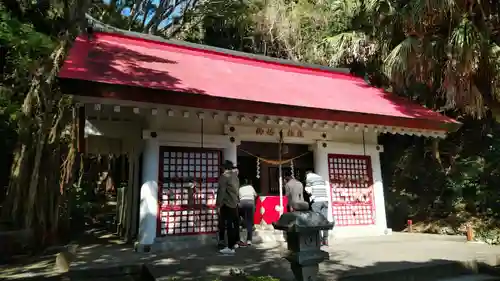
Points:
(81, 129)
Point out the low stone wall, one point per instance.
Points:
(14, 243)
(129, 272)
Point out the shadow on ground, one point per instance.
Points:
(103, 257)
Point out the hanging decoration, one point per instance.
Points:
(364, 143)
(280, 170)
(292, 168)
(257, 175)
(272, 161)
(201, 133)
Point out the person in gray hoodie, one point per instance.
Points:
(294, 191)
(227, 205)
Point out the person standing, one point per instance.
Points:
(221, 222)
(247, 196)
(317, 188)
(294, 191)
(227, 206)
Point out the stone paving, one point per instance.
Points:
(348, 257)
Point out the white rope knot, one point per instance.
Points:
(257, 175)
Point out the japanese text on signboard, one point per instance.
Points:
(272, 132)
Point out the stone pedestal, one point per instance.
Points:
(303, 239)
(308, 273)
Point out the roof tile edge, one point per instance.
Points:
(451, 125)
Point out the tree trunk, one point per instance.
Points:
(36, 192)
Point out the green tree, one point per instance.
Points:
(35, 37)
(445, 52)
(442, 54)
(445, 55)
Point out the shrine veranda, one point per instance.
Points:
(165, 106)
(174, 150)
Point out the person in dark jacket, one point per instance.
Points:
(227, 206)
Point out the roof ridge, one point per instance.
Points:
(102, 27)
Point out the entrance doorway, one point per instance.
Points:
(258, 163)
(265, 175)
(247, 171)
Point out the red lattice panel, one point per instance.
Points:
(186, 208)
(352, 189)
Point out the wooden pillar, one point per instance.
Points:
(135, 159)
(80, 117)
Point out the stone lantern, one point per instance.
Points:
(302, 229)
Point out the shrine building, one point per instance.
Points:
(177, 110)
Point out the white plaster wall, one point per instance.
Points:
(350, 136)
(231, 153)
(191, 124)
(321, 167)
(148, 205)
(181, 139)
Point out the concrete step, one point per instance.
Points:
(265, 236)
(473, 277)
(174, 243)
(472, 270)
(424, 277)
(262, 234)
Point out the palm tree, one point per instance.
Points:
(446, 48)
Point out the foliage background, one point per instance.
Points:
(443, 54)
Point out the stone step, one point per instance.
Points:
(472, 277)
(174, 243)
(261, 235)
(429, 271)
(265, 236)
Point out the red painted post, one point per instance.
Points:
(410, 225)
(469, 233)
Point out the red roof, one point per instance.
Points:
(118, 59)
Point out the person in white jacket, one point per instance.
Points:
(317, 188)
(247, 196)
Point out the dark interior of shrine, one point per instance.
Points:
(264, 176)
